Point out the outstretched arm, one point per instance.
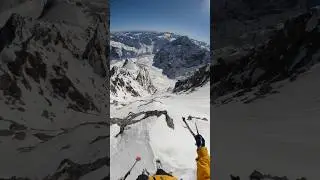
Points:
(203, 164)
(203, 160)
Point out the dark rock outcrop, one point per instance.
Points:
(198, 79)
(130, 119)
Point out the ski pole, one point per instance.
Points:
(195, 123)
(128, 173)
(184, 120)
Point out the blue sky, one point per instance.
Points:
(185, 17)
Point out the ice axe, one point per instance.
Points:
(138, 158)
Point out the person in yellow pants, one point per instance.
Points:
(203, 165)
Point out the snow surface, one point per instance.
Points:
(278, 135)
(151, 138)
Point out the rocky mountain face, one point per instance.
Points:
(288, 51)
(130, 80)
(198, 79)
(52, 89)
(144, 80)
(247, 23)
(132, 44)
(181, 57)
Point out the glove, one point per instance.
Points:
(142, 177)
(200, 142)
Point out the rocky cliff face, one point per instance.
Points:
(198, 79)
(248, 23)
(130, 80)
(288, 52)
(180, 57)
(145, 81)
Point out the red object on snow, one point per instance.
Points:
(138, 158)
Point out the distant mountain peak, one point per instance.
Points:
(181, 57)
(130, 44)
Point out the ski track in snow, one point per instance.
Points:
(151, 138)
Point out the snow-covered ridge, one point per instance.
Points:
(129, 79)
(136, 43)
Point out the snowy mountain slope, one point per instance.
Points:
(52, 90)
(145, 138)
(277, 135)
(265, 102)
(48, 149)
(143, 109)
(160, 81)
(129, 79)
